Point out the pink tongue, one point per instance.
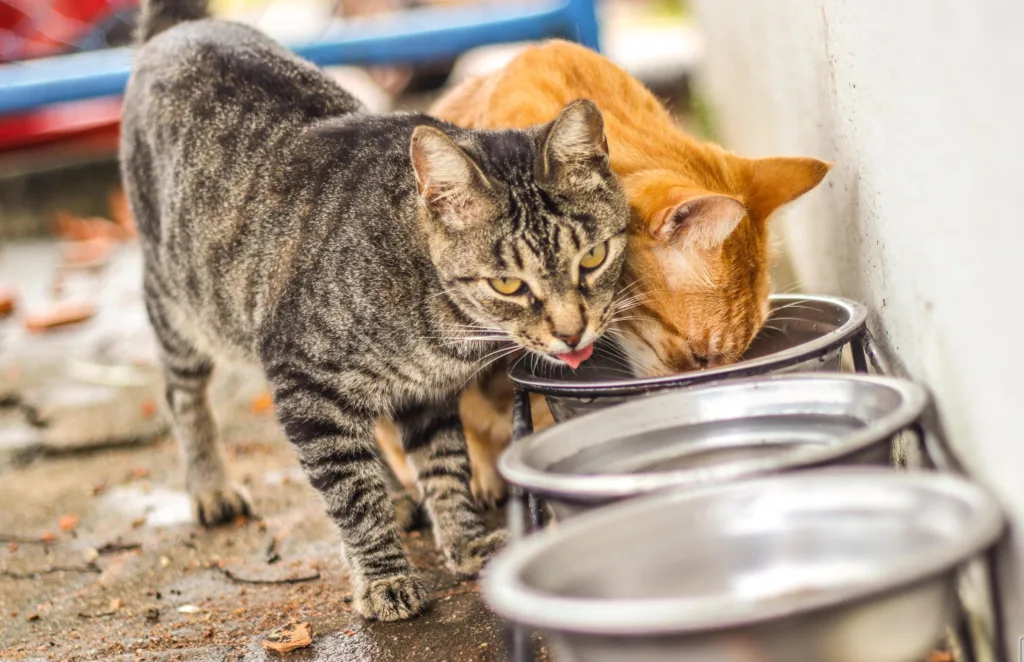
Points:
(576, 357)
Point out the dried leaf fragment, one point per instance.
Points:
(62, 314)
(262, 404)
(289, 637)
(68, 522)
(8, 300)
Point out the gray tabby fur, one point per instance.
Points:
(348, 254)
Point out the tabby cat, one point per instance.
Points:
(698, 259)
(370, 264)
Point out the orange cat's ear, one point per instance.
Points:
(573, 145)
(451, 185)
(699, 219)
(775, 181)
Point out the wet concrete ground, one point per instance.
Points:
(129, 576)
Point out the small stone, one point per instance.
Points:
(138, 522)
(19, 441)
(164, 562)
(190, 609)
(289, 637)
(32, 617)
(116, 604)
(47, 537)
(152, 614)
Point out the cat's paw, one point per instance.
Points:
(473, 554)
(408, 512)
(391, 599)
(221, 506)
(488, 488)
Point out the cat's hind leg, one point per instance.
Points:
(434, 439)
(187, 370)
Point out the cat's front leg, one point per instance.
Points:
(337, 450)
(433, 437)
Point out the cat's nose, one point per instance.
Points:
(571, 340)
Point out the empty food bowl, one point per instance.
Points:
(850, 564)
(804, 333)
(726, 431)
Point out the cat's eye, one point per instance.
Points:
(595, 257)
(507, 286)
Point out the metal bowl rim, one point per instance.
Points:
(599, 488)
(504, 590)
(831, 341)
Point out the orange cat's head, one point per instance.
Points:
(697, 268)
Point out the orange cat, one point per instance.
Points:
(697, 266)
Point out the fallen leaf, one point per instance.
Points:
(47, 537)
(148, 408)
(68, 522)
(289, 637)
(116, 604)
(117, 202)
(79, 228)
(13, 547)
(8, 300)
(262, 404)
(32, 617)
(61, 314)
(93, 252)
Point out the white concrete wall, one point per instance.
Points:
(920, 104)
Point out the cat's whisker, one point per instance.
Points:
(788, 319)
(502, 353)
(795, 304)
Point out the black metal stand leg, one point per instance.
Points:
(521, 518)
(860, 360)
(536, 507)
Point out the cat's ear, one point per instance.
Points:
(450, 183)
(697, 219)
(778, 180)
(575, 150)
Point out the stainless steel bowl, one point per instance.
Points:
(727, 431)
(806, 333)
(833, 565)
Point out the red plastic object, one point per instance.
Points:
(34, 28)
(96, 119)
(37, 28)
